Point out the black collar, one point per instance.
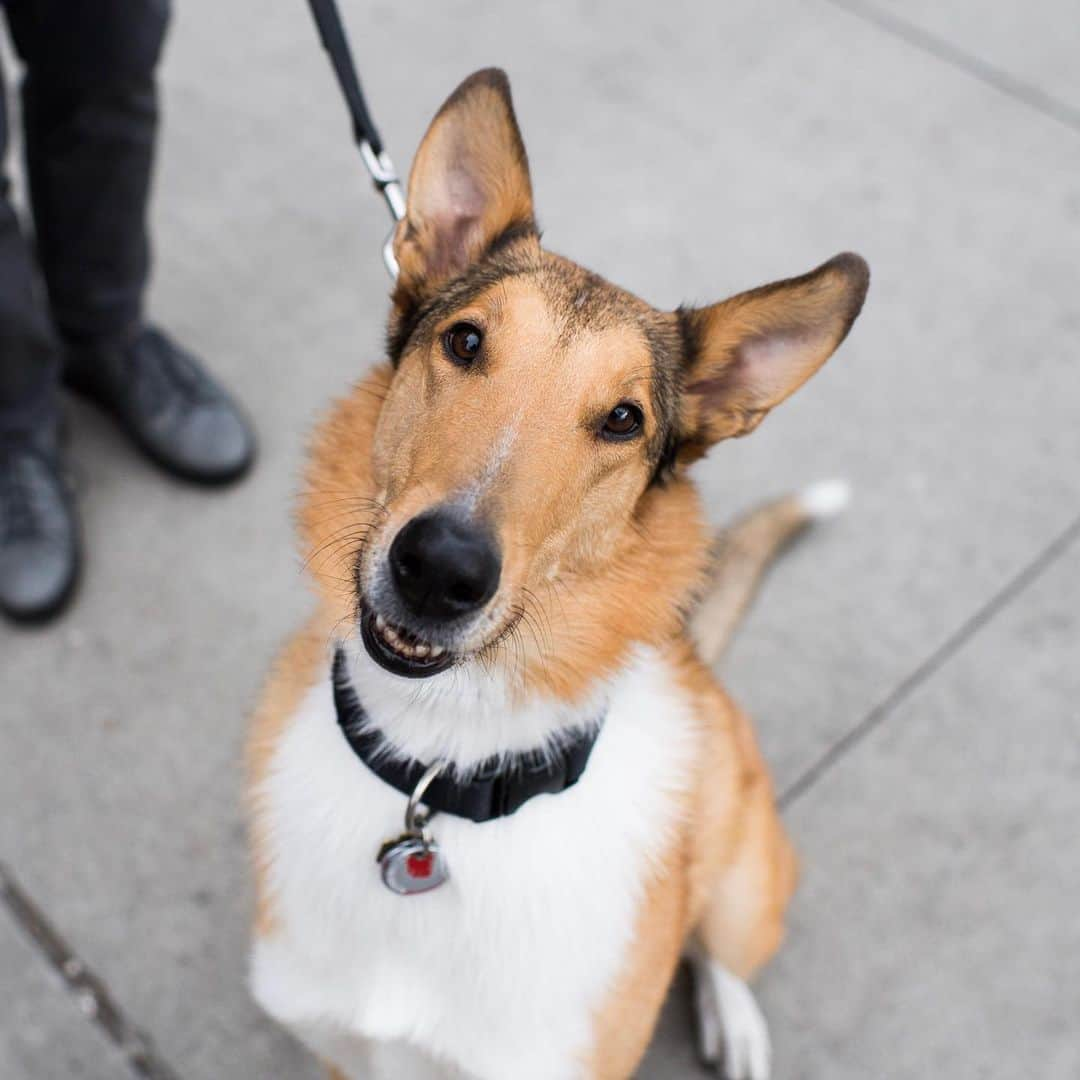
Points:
(497, 788)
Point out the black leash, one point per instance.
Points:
(332, 33)
(383, 174)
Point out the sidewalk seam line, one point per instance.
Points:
(92, 996)
(967, 630)
(942, 49)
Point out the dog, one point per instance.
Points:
(496, 792)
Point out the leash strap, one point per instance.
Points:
(334, 41)
(498, 788)
(376, 160)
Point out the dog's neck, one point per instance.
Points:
(468, 714)
(525, 700)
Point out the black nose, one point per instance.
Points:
(444, 567)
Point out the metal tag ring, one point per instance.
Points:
(415, 818)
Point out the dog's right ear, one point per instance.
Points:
(749, 353)
(469, 186)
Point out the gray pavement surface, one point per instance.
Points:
(45, 1034)
(913, 669)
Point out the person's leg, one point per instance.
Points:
(38, 531)
(29, 352)
(90, 114)
(29, 366)
(90, 111)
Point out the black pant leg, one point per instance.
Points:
(90, 112)
(28, 352)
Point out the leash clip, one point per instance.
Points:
(388, 185)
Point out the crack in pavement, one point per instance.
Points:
(967, 630)
(94, 1000)
(997, 78)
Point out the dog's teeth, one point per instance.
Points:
(403, 642)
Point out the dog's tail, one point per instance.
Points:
(742, 553)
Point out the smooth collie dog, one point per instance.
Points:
(496, 792)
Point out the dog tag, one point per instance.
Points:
(412, 864)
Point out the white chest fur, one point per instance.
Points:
(499, 972)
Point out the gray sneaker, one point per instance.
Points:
(167, 402)
(39, 533)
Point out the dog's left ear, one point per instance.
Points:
(469, 185)
(748, 353)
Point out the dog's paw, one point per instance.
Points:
(733, 1037)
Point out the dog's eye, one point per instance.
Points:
(463, 342)
(623, 422)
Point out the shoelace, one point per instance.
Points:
(19, 510)
(163, 368)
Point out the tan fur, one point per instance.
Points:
(726, 879)
(597, 556)
(608, 572)
(741, 554)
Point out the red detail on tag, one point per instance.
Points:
(420, 864)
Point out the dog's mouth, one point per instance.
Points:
(401, 651)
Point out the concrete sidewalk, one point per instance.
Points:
(913, 669)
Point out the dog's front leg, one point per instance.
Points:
(741, 927)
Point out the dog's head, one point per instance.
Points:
(534, 408)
